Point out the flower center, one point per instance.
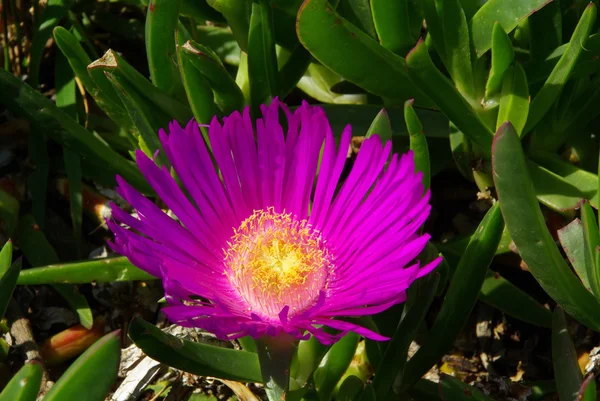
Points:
(275, 261)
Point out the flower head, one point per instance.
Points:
(267, 238)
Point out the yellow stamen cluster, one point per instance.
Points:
(274, 260)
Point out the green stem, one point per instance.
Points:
(275, 357)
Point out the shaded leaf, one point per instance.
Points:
(460, 298)
(528, 230)
(564, 358)
(500, 293)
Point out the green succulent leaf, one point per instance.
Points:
(46, 117)
(457, 45)
(500, 293)
(92, 375)
(502, 57)
(576, 182)
(52, 14)
(591, 240)
(572, 241)
(587, 391)
(424, 73)
(262, 59)
(194, 357)
(545, 29)
(350, 389)
(142, 116)
(102, 92)
(509, 13)
(392, 365)
(392, 23)
(528, 230)
(542, 102)
(349, 52)
(25, 385)
(418, 143)
(381, 127)
(514, 100)
(227, 95)
(237, 14)
(460, 298)
(9, 272)
(306, 360)
(161, 22)
(564, 358)
(9, 213)
(89, 271)
(164, 106)
(38, 251)
(334, 364)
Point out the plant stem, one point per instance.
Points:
(275, 357)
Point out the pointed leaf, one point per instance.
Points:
(161, 22)
(564, 358)
(502, 57)
(457, 45)
(45, 116)
(554, 191)
(572, 242)
(95, 270)
(591, 240)
(582, 180)
(9, 213)
(514, 101)
(528, 230)
(391, 19)
(262, 59)
(500, 293)
(445, 95)
(237, 13)
(334, 364)
(194, 357)
(25, 385)
(418, 143)
(227, 95)
(542, 102)
(349, 52)
(102, 92)
(545, 29)
(141, 115)
(38, 251)
(507, 12)
(293, 70)
(587, 392)
(111, 62)
(381, 127)
(8, 276)
(350, 389)
(92, 375)
(391, 368)
(460, 298)
(51, 15)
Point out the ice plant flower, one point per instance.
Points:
(267, 238)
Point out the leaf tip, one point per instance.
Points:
(417, 46)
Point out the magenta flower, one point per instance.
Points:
(272, 242)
